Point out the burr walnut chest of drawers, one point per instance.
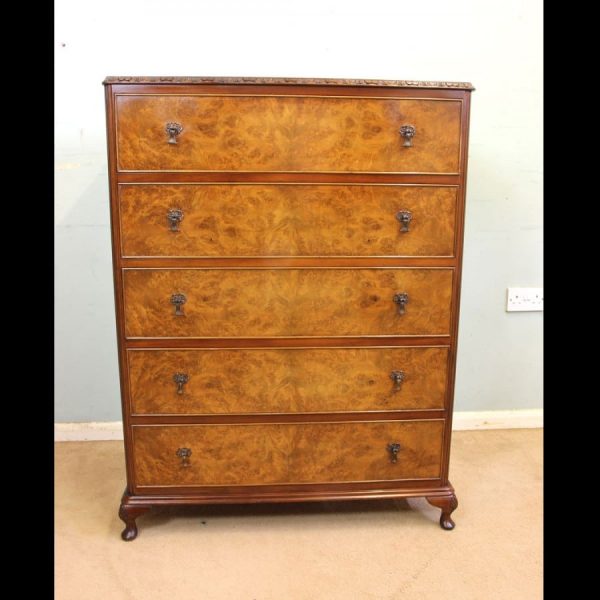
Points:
(287, 260)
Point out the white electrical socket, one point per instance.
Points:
(525, 299)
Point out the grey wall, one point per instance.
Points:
(496, 44)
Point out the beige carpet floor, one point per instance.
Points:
(348, 551)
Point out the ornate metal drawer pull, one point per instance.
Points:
(178, 300)
(397, 377)
(393, 449)
(401, 299)
(174, 216)
(408, 133)
(173, 130)
(180, 379)
(405, 217)
(184, 454)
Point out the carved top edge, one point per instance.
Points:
(455, 85)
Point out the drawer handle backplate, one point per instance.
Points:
(174, 216)
(173, 130)
(180, 379)
(405, 217)
(178, 300)
(184, 454)
(393, 448)
(401, 300)
(397, 377)
(408, 133)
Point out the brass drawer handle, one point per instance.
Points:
(405, 217)
(180, 379)
(393, 448)
(397, 377)
(174, 216)
(408, 133)
(178, 300)
(184, 454)
(401, 299)
(173, 130)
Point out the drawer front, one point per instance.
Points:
(287, 133)
(286, 380)
(254, 454)
(286, 220)
(286, 302)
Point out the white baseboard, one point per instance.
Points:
(88, 432)
(465, 420)
(529, 418)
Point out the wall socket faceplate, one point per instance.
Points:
(524, 299)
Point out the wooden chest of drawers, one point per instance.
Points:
(287, 259)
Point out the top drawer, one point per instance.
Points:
(287, 134)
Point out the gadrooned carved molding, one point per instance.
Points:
(460, 85)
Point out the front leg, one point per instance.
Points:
(448, 505)
(128, 513)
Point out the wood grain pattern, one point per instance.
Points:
(286, 302)
(262, 133)
(286, 453)
(292, 380)
(287, 220)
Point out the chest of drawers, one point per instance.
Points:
(287, 258)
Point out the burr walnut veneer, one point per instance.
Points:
(287, 259)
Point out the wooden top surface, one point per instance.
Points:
(288, 81)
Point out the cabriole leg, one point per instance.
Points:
(448, 505)
(128, 513)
